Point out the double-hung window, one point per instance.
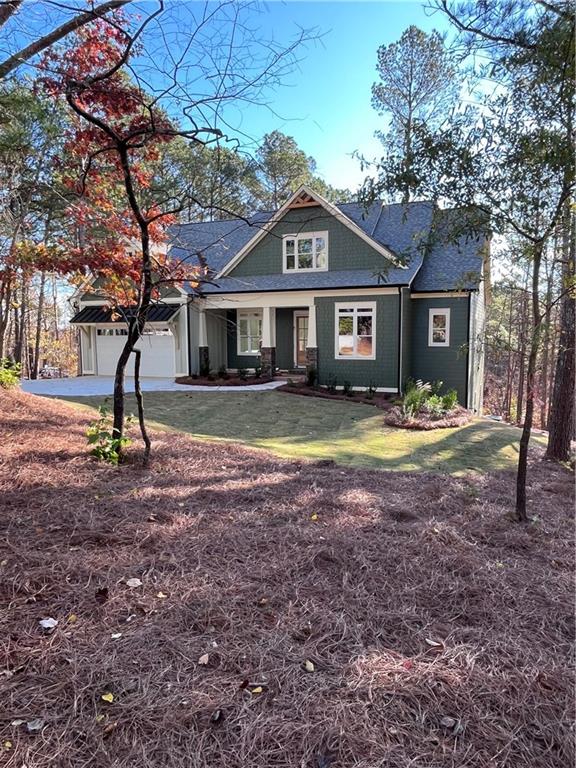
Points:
(306, 252)
(439, 328)
(249, 332)
(356, 331)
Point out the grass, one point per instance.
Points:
(348, 433)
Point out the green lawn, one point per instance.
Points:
(349, 433)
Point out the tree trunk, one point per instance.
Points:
(530, 382)
(36, 356)
(140, 403)
(561, 417)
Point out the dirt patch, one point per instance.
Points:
(438, 632)
(231, 381)
(455, 418)
(379, 400)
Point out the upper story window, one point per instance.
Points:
(306, 252)
(249, 332)
(439, 328)
(355, 331)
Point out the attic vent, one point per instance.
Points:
(303, 200)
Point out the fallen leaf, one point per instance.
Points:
(48, 624)
(314, 516)
(217, 716)
(408, 664)
(33, 726)
(116, 635)
(204, 659)
(161, 595)
(100, 718)
(433, 643)
(448, 722)
(257, 689)
(4, 562)
(17, 722)
(309, 666)
(7, 745)
(109, 697)
(72, 619)
(132, 583)
(109, 728)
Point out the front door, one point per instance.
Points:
(300, 338)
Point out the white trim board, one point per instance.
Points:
(440, 295)
(267, 227)
(286, 298)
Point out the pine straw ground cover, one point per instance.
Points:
(439, 632)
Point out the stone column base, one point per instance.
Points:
(268, 360)
(312, 365)
(204, 360)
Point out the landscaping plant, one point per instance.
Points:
(9, 373)
(106, 446)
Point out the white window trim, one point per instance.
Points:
(247, 314)
(298, 313)
(438, 311)
(355, 306)
(303, 236)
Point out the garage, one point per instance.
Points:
(157, 345)
(103, 337)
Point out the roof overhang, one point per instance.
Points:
(305, 197)
(103, 315)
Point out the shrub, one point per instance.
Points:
(370, 391)
(436, 386)
(450, 400)
(222, 372)
(9, 373)
(311, 376)
(413, 401)
(433, 405)
(106, 447)
(331, 383)
(257, 371)
(242, 373)
(347, 389)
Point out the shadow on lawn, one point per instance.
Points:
(347, 433)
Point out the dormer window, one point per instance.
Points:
(306, 252)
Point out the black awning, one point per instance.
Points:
(157, 313)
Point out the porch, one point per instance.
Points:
(248, 337)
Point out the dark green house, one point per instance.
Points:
(371, 298)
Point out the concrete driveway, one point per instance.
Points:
(104, 385)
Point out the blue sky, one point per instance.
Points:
(325, 103)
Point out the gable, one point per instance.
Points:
(346, 249)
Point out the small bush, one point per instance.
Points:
(370, 391)
(106, 447)
(257, 371)
(223, 372)
(347, 389)
(433, 406)
(9, 373)
(311, 376)
(242, 373)
(331, 384)
(413, 401)
(450, 400)
(436, 386)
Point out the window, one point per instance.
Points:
(151, 331)
(112, 332)
(355, 331)
(439, 328)
(249, 332)
(306, 252)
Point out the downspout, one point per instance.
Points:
(189, 336)
(400, 335)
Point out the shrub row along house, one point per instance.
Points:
(368, 297)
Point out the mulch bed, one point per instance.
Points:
(438, 632)
(231, 381)
(455, 418)
(379, 400)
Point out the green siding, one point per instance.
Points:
(381, 372)
(447, 364)
(345, 249)
(285, 338)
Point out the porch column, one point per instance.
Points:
(203, 351)
(268, 347)
(312, 347)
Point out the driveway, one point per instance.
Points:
(86, 386)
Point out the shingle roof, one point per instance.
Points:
(402, 228)
(157, 313)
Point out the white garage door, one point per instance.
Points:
(157, 352)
